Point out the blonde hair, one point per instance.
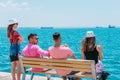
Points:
(88, 44)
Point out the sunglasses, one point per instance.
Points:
(36, 38)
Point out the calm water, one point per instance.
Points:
(110, 39)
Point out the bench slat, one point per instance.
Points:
(53, 72)
(56, 67)
(57, 64)
(58, 60)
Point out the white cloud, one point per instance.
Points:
(11, 4)
(24, 4)
(2, 5)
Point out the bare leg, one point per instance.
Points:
(19, 70)
(13, 70)
(64, 77)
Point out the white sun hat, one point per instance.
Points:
(12, 21)
(90, 34)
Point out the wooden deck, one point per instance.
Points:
(7, 76)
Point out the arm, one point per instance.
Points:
(83, 48)
(18, 36)
(70, 53)
(83, 55)
(20, 39)
(73, 57)
(99, 49)
(42, 52)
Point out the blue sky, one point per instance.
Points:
(61, 13)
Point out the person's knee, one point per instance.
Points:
(18, 64)
(14, 63)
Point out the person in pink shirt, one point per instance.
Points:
(33, 50)
(59, 51)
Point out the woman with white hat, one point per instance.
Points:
(15, 40)
(91, 51)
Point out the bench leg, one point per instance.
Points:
(32, 75)
(24, 75)
(94, 79)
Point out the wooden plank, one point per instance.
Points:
(71, 63)
(93, 70)
(59, 68)
(57, 60)
(53, 72)
(60, 60)
(58, 64)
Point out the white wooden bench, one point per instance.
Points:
(52, 64)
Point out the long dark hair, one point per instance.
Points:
(9, 29)
(88, 44)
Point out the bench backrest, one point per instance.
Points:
(72, 65)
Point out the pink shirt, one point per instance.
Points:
(32, 50)
(60, 53)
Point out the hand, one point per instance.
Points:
(19, 55)
(99, 48)
(20, 39)
(48, 54)
(99, 43)
(65, 45)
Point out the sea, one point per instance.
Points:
(108, 37)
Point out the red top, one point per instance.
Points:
(14, 37)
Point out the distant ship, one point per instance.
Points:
(109, 26)
(99, 27)
(46, 27)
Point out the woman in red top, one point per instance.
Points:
(15, 39)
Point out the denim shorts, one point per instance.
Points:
(14, 51)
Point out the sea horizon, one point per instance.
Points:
(55, 27)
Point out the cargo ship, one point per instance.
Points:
(46, 27)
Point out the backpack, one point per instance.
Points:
(102, 76)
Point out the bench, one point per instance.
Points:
(52, 64)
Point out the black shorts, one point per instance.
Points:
(14, 58)
(14, 51)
